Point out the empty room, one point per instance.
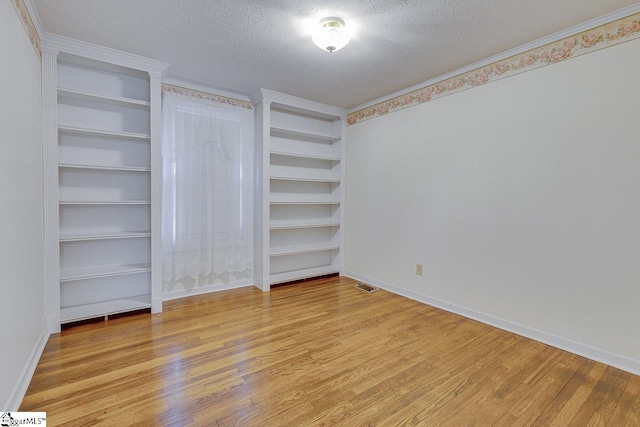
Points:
(304, 213)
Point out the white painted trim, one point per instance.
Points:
(56, 43)
(34, 17)
(343, 195)
(206, 89)
(585, 26)
(271, 96)
(53, 323)
(261, 210)
(183, 293)
(20, 389)
(155, 130)
(50, 189)
(599, 355)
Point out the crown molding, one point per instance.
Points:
(32, 26)
(560, 35)
(206, 89)
(61, 44)
(45, 48)
(256, 97)
(301, 104)
(34, 17)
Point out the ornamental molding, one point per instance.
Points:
(603, 36)
(179, 90)
(56, 43)
(24, 12)
(298, 104)
(203, 87)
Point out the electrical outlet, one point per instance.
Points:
(419, 269)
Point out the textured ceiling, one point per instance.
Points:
(243, 45)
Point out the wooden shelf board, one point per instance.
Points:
(103, 99)
(312, 112)
(301, 179)
(107, 168)
(105, 202)
(305, 156)
(291, 133)
(95, 272)
(107, 133)
(89, 311)
(103, 236)
(288, 225)
(303, 203)
(303, 249)
(288, 276)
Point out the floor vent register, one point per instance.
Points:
(366, 288)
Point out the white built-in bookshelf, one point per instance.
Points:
(299, 152)
(102, 158)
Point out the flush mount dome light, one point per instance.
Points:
(331, 34)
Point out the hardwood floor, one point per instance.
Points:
(318, 353)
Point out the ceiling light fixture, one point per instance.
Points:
(331, 34)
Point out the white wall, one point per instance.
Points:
(521, 198)
(21, 209)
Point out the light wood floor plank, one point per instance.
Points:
(317, 353)
(600, 404)
(559, 410)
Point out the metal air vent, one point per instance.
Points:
(366, 288)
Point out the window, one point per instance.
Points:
(207, 188)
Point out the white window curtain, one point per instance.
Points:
(207, 150)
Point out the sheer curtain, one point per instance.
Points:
(207, 192)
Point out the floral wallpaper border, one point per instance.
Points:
(607, 35)
(29, 26)
(206, 96)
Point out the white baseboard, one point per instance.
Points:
(617, 361)
(182, 293)
(53, 323)
(20, 389)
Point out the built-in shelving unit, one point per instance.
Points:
(102, 152)
(117, 107)
(299, 210)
